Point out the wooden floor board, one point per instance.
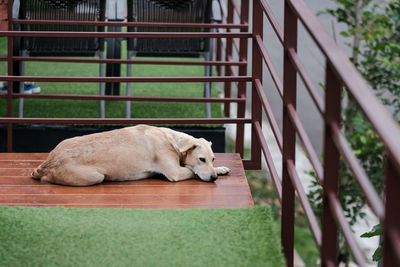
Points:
(17, 188)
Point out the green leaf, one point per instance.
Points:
(378, 253)
(377, 230)
(345, 34)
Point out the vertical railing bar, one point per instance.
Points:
(333, 98)
(392, 215)
(257, 72)
(228, 55)
(395, 243)
(10, 84)
(241, 107)
(289, 135)
(218, 55)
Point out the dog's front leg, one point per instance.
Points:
(222, 170)
(179, 174)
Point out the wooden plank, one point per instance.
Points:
(20, 163)
(171, 189)
(17, 188)
(107, 199)
(23, 156)
(229, 180)
(137, 206)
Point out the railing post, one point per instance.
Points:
(256, 68)
(228, 56)
(241, 112)
(392, 217)
(218, 55)
(10, 84)
(289, 135)
(333, 98)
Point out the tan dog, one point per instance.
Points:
(130, 153)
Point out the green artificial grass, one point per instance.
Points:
(46, 108)
(138, 237)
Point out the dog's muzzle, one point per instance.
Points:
(213, 178)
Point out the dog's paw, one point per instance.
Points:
(222, 170)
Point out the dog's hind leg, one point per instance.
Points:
(76, 175)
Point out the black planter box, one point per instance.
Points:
(43, 138)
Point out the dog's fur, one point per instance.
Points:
(130, 153)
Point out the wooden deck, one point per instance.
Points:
(17, 188)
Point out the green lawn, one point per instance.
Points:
(138, 237)
(114, 109)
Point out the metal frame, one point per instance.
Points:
(340, 75)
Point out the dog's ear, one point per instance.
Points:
(185, 144)
(182, 144)
(206, 141)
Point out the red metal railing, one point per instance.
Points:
(340, 73)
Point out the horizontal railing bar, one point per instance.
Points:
(126, 79)
(346, 229)
(272, 20)
(312, 90)
(269, 160)
(360, 176)
(274, 74)
(126, 34)
(308, 147)
(131, 24)
(381, 120)
(132, 98)
(127, 61)
(305, 203)
(125, 121)
(269, 113)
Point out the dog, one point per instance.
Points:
(127, 154)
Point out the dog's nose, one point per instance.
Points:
(213, 178)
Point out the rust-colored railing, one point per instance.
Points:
(240, 77)
(340, 73)
(232, 41)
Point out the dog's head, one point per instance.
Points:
(199, 157)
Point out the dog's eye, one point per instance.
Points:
(202, 160)
(213, 159)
